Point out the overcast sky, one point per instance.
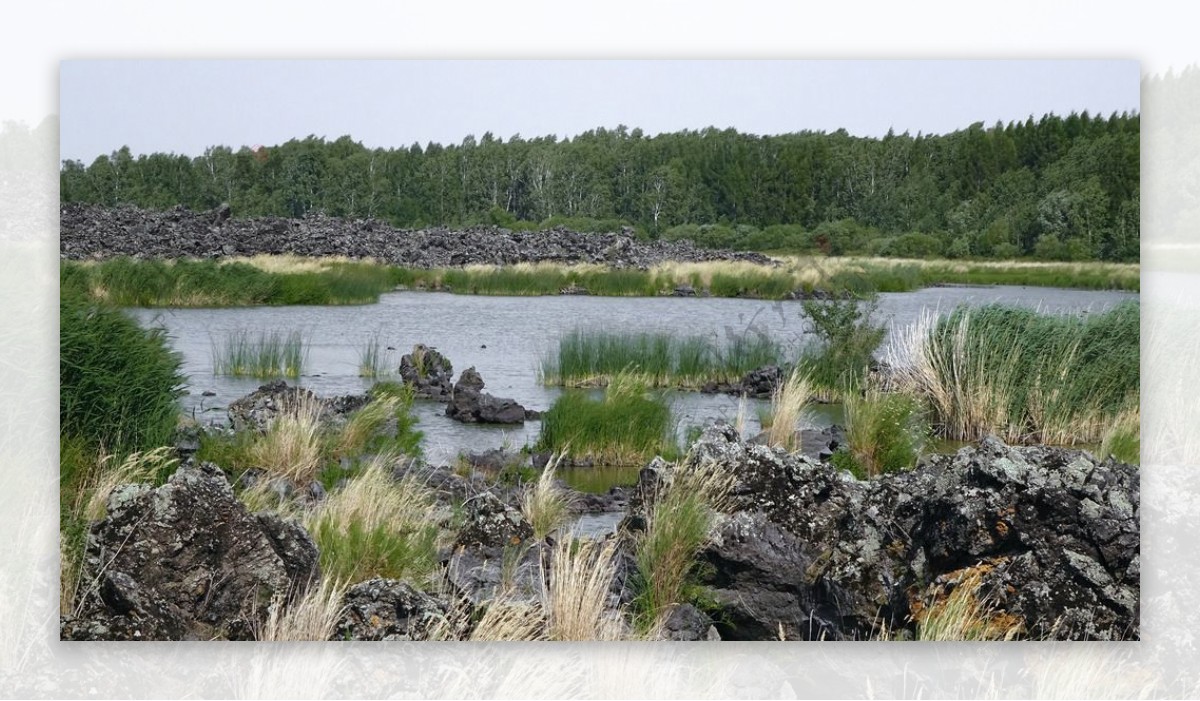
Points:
(186, 106)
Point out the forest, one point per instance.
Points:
(1056, 188)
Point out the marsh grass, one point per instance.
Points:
(1024, 376)
(374, 360)
(592, 358)
(884, 433)
(1123, 437)
(787, 409)
(377, 526)
(269, 354)
(678, 523)
(626, 427)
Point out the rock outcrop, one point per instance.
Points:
(186, 561)
(470, 404)
(810, 552)
(387, 609)
(258, 410)
(428, 372)
(95, 232)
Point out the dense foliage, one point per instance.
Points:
(1061, 188)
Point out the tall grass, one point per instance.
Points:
(592, 358)
(677, 526)
(883, 433)
(787, 408)
(576, 596)
(545, 505)
(1123, 437)
(373, 359)
(118, 382)
(376, 526)
(962, 614)
(314, 616)
(269, 354)
(626, 427)
(1022, 375)
(291, 447)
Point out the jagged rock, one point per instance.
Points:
(479, 573)
(761, 383)
(186, 561)
(492, 523)
(470, 404)
(428, 372)
(686, 622)
(387, 609)
(258, 410)
(96, 232)
(810, 552)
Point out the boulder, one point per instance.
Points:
(470, 404)
(186, 561)
(761, 383)
(808, 551)
(387, 609)
(688, 623)
(428, 372)
(258, 410)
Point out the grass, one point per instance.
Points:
(1021, 375)
(593, 358)
(787, 407)
(270, 354)
(118, 382)
(314, 616)
(376, 526)
(628, 426)
(576, 596)
(292, 446)
(373, 360)
(275, 280)
(677, 525)
(1123, 438)
(962, 614)
(882, 434)
(545, 505)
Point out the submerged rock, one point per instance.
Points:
(810, 552)
(186, 561)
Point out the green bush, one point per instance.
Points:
(884, 434)
(118, 382)
(846, 338)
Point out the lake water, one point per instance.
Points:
(504, 338)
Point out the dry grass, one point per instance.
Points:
(544, 504)
(576, 598)
(313, 617)
(292, 446)
(366, 423)
(787, 408)
(293, 263)
(963, 615)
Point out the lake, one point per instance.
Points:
(505, 338)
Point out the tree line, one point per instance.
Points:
(1062, 188)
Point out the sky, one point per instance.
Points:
(185, 106)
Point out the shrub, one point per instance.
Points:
(846, 339)
(118, 382)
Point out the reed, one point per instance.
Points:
(787, 408)
(883, 433)
(1024, 376)
(269, 354)
(626, 427)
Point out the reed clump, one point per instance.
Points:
(593, 358)
(1022, 375)
(787, 409)
(269, 354)
(626, 427)
(884, 434)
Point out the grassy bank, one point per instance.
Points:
(282, 280)
(1024, 376)
(593, 358)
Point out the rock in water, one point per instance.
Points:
(811, 552)
(469, 404)
(428, 372)
(186, 561)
